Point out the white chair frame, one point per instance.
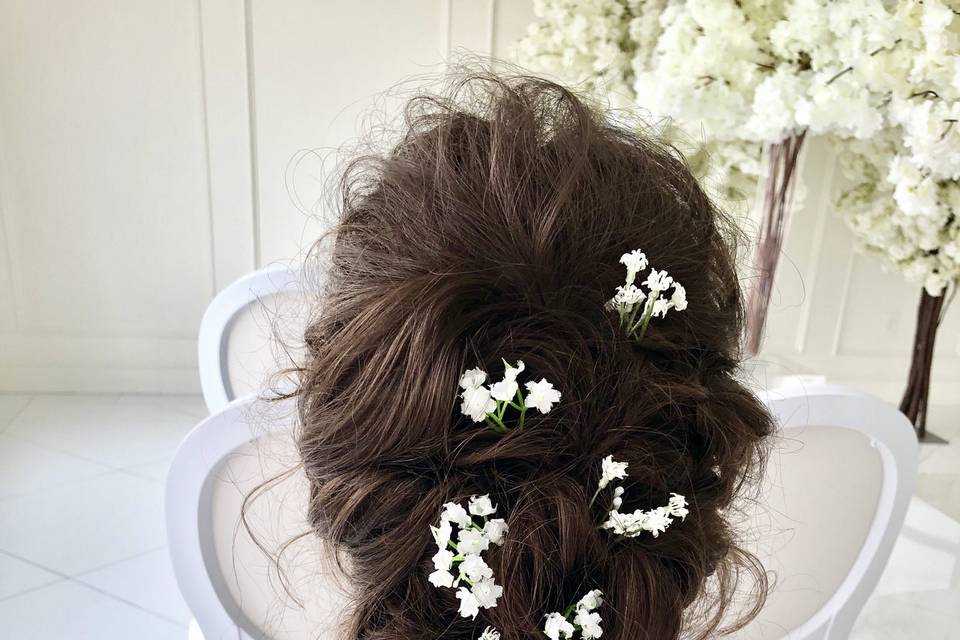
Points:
(218, 319)
(892, 434)
(204, 450)
(188, 514)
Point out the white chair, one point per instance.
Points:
(834, 500)
(232, 587)
(238, 345)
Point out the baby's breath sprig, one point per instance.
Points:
(628, 302)
(472, 539)
(483, 404)
(631, 525)
(578, 617)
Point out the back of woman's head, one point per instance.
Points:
(492, 230)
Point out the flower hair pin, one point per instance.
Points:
(631, 525)
(483, 404)
(628, 302)
(472, 539)
(579, 616)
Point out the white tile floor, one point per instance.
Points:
(82, 542)
(83, 552)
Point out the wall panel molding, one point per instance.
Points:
(154, 152)
(228, 117)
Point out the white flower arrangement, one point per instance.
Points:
(878, 78)
(465, 559)
(489, 634)
(740, 74)
(634, 316)
(580, 616)
(904, 205)
(631, 525)
(489, 404)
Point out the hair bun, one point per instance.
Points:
(494, 230)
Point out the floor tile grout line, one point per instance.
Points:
(36, 587)
(69, 576)
(56, 485)
(127, 602)
(86, 572)
(17, 414)
(108, 466)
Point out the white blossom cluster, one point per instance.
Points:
(468, 542)
(628, 302)
(583, 41)
(598, 45)
(742, 75)
(580, 616)
(904, 205)
(489, 404)
(631, 525)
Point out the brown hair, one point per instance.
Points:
(494, 229)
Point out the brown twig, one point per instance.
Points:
(783, 160)
(914, 403)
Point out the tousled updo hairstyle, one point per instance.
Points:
(493, 229)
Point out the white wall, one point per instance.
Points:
(148, 152)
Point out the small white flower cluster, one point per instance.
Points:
(472, 539)
(584, 619)
(483, 404)
(631, 525)
(634, 316)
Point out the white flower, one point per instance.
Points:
(611, 470)
(660, 307)
(441, 579)
(628, 295)
(489, 634)
(619, 491)
(635, 262)
(557, 627)
(486, 591)
(481, 506)
(678, 506)
(541, 395)
(506, 389)
(495, 530)
(442, 560)
(474, 568)
(658, 281)
(656, 521)
(442, 533)
(679, 298)
(472, 541)
(617, 502)
(477, 403)
(473, 378)
(453, 512)
(592, 600)
(469, 605)
(625, 524)
(589, 623)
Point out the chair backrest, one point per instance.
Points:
(834, 499)
(238, 345)
(230, 576)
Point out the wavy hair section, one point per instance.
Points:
(493, 229)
